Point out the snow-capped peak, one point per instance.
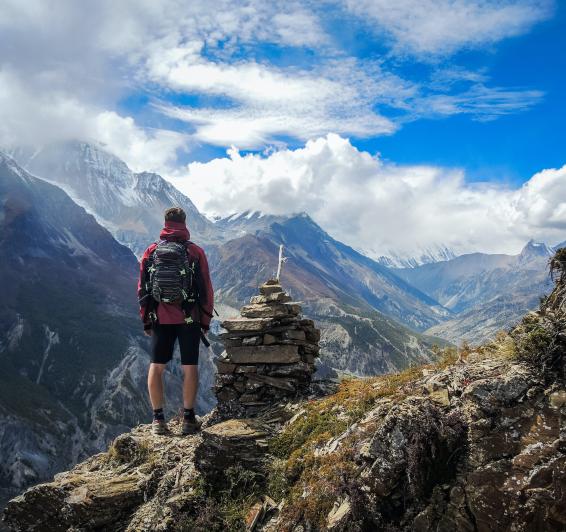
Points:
(534, 250)
(426, 255)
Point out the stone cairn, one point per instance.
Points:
(269, 357)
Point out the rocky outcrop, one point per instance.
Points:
(474, 442)
(229, 444)
(475, 446)
(270, 354)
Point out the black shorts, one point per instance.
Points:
(163, 340)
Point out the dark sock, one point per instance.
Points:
(158, 415)
(189, 414)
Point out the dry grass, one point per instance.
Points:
(300, 469)
(310, 481)
(324, 479)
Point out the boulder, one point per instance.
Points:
(229, 444)
(276, 297)
(265, 311)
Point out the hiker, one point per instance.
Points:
(176, 303)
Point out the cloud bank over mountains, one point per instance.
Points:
(378, 206)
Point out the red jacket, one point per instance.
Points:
(171, 313)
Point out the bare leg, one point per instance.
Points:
(190, 385)
(155, 384)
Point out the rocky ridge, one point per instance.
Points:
(270, 354)
(476, 441)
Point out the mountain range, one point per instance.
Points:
(486, 293)
(70, 339)
(242, 251)
(418, 257)
(130, 205)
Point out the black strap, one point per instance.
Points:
(150, 306)
(204, 310)
(204, 338)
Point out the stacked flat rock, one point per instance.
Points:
(270, 354)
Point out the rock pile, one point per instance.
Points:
(270, 354)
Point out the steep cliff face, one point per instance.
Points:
(476, 441)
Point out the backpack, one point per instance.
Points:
(172, 275)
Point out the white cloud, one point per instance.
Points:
(61, 69)
(212, 52)
(443, 27)
(377, 206)
(31, 117)
(481, 102)
(152, 150)
(541, 202)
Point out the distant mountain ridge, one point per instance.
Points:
(486, 292)
(129, 204)
(348, 293)
(428, 255)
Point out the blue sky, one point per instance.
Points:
(508, 149)
(448, 112)
(513, 147)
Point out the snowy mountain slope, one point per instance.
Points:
(130, 205)
(419, 257)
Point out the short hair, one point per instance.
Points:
(175, 214)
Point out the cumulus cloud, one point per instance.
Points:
(380, 207)
(443, 27)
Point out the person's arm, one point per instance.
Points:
(143, 294)
(206, 292)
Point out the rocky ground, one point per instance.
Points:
(476, 441)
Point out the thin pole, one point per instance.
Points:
(280, 262)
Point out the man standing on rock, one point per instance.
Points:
(176, 303)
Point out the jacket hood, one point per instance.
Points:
(175, 231)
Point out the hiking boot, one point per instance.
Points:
(190, 425)
(159, 427)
